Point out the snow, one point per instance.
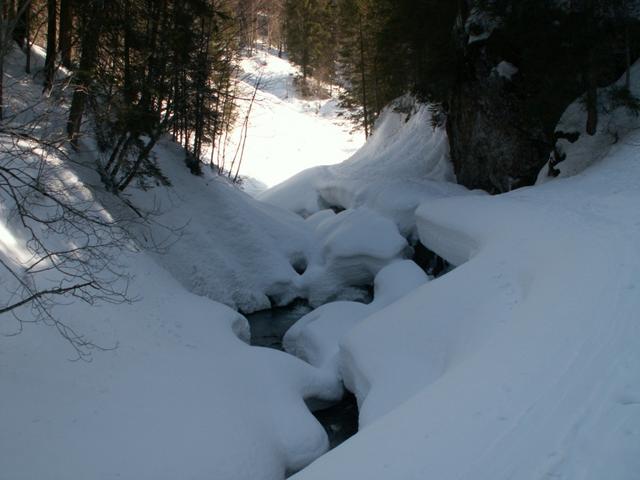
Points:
(404, 163)
(254, 250)
(584, 150)
(345, 256)
(177, 392)
(180, 396)
(249, 247)
(287, 133)
(506, 70)
(315, 338)
(523, 361)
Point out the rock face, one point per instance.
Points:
(494, 144)
(517, 69)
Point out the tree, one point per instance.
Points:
(307, 33)
(91, 27)
(66, 32)
(66, 246)
(50, 61)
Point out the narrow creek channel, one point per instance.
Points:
(268, 327)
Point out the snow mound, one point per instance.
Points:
(404, 163)
(221, 243)
(523, 361)
(352, 247)
(575, 149)
(315, 338)
(180, 396)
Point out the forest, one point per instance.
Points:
(319, 239)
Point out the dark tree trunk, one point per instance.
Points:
(591, 100)
(18, 15)
(89, 46)
(2, 86)
(364, 79)
(66, 30)
(27, 37)
(50, 61)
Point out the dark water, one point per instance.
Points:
(340, 421)
(269, 326)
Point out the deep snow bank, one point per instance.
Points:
(178, 393)
(403, 164)
(218, 241)
(221, 243)
(180, 397)
(524, 361)
(576, 150)
(316, 337)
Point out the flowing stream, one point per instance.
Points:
(340, 421)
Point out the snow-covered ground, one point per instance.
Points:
(178, 392)
(287, 134)
(523, 362)
(404, 163)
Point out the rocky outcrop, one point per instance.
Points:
(517, 71)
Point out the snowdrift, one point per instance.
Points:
(576, 150)
(524, 361)
(177, 393)
(403, 164)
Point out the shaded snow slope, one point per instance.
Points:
(220, 242)
(178, 393)
(577, 150)
(287, 133)
(523, 362)
(180, 396)
(315, 338)
(403, 164)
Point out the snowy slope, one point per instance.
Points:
(524, 361)
(180, 396)
(286, 134)
(178, 393)
(575, 149)
(403, 164)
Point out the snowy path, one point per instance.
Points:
(286, 133)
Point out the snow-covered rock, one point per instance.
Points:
(403, 164)
(352, 247)
(576, 150)
(315, 338)
(523, 361)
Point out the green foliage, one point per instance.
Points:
(308, 29)
(162, 67)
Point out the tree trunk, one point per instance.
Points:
(364, 79)
(16, 15)
(66, 30)
(89, 46)
(50, 61)
(27, 36)
(627, 44)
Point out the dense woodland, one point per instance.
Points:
(145, 68)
